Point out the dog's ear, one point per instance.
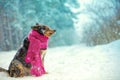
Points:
(35, 27)
(37, 23)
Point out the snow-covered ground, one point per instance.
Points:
(75, 63)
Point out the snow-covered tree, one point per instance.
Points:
(102, 25)
(20, 15)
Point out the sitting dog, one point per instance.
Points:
(19, 66)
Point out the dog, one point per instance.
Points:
(18, 66)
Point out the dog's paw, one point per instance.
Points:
(46, 73)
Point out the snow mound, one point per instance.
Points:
(75, 63)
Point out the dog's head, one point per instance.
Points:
(43, 29)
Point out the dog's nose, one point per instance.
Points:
(54, 30)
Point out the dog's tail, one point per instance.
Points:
(3, 70)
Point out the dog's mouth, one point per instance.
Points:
(52, 32)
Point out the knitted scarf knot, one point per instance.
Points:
(37, 42)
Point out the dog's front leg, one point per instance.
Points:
(43, 53)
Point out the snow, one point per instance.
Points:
(77, 62)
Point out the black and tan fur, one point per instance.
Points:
(18, 67)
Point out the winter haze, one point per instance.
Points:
(86, 45)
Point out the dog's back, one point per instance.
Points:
(18, 61)
(21, 53)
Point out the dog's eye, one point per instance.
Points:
(43, 28)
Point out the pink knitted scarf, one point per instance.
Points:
(37, 42)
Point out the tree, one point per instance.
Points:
(17, 17)
(104, 28)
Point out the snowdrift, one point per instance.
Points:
(75, 63)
